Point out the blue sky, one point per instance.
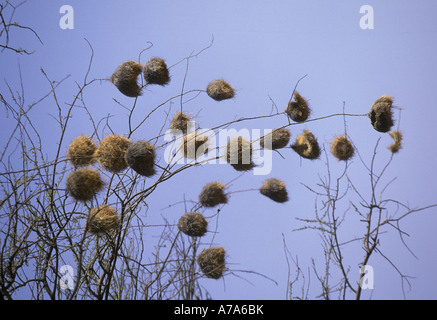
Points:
(263, 48)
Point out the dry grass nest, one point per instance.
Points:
(276, 139)
(180, 123)
(212, 194)
(111, 151)
(193, 224)
(238, 154)
(397, 144)
(125, 78)
(193, 145)
(342, 148)
(83, 184)
(212, 262)
(102, 219)
(81, 151)
(140, 156)
(156, 72)
(274, 189)
(381, 115)
(220, 90)
(306, 146)
(298, 110)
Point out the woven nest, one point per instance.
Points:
(111, 151)
(342, 148)
(306, 146)
(220, 90)
(140, 156)
(212, 262)
(81, 151)
(193, 145)
(274, 189)
(212, 194)
(381, 116)
(156, 72)
(83, 184)
(125, 78)
(180, 123)
(238, 154)
(193, 224)
(276, 139)
(397, 137)
(298, 110)
(102, 219)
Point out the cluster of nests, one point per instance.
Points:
(155, 71)
(114, 153)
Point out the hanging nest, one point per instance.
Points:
(274, 189)
(342, 148)
(381, 115)
(212, 194)
(276, 139)
(306, 146)
(81, 151)
(125, 78)
(238, 154)
(193, 145)
(220, 90)
(180, 123)
(111, 151)
(102, 219)
(212, 262)
(83, 184)
(298, 109)
(396, 146)
(193, 224)
(156, 72)
(140, 156)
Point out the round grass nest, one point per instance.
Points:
(212, 194)
(180, 123)
(81, 151)
(212, 262)
(274, 189)
(125, 78)
(140, 156)
(298, 110)
(102, 219)
(83, 184)
(220, 90)
(193, 224)
(156, 72)
(342, 148)
(276, 139)
(397, 144)
(238, 154)
(381, 116)
(111, 151)
(193, 145)
(306, 146)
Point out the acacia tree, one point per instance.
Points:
(49, 223)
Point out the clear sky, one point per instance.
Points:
(263, 48)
